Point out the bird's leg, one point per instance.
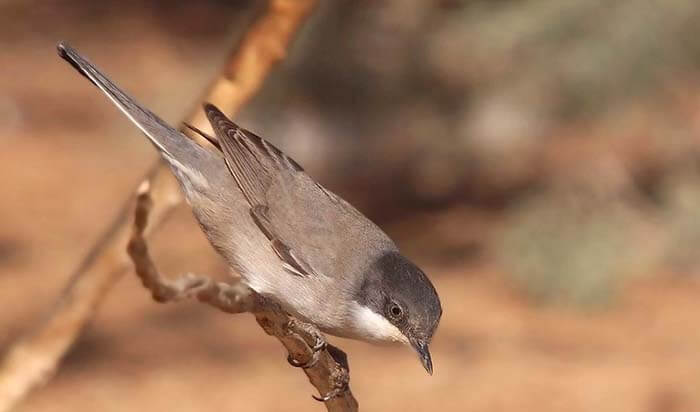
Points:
(319, 343)
(340, 378)
(332, 394)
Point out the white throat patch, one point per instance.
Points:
(374, 327)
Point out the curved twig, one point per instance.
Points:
(327, 366)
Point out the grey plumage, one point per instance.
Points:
(290, 238)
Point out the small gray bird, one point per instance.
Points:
(290, 239)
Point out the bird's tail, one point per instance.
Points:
(183, 154)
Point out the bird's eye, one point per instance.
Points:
(395, 310)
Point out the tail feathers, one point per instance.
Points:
(175, 147)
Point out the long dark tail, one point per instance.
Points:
(181, 152)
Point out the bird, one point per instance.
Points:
(289, 238)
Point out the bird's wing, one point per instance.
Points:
(308, 227)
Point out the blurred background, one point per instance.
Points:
(539, 159)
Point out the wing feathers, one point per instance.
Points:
(256, 165)
(290, 261)
(253, 162)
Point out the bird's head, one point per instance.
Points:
(397, 302)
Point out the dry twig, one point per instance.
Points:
(327, 369)
(34, 357)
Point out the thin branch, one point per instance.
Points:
(325, 366)
(34, 357)
(232, 299)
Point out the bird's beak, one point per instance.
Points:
(424, 355)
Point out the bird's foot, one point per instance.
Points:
(331, 395)
(319, 344)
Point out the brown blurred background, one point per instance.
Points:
(539, 159)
